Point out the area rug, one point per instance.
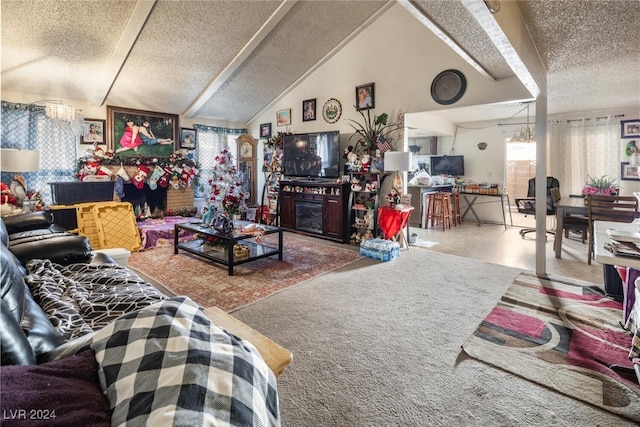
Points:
(564, 335)
(208, 284)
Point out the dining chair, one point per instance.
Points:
(576, 222)
(609, 208)
(527, 205)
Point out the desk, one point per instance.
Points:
(602, 255)
(471, 198)
(566, 206)
(393, 221)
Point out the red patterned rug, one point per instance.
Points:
(209, 285)
(563, 335)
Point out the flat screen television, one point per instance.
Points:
(312, 155)
(447, 165)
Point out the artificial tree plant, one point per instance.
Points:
(371, 130)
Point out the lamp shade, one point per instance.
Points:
(16, 160)
(397, 161)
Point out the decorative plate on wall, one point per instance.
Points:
(448, 87)
(332, 110)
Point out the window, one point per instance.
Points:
(211, 141)
(27, 127)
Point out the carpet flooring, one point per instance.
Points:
(208, 284)
(563, 335)
(379, 344)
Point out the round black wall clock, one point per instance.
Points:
(448, 87)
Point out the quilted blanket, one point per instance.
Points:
(82, 298)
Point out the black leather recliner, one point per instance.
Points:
(26, 332)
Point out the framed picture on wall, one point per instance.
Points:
(283, 117)
(188, 138)
(265, 130)
(628, 172)
(630, 128)
(141, 133)
(93, 131)
(309, 110)
(365, 98)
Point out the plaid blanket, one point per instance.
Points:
(633, 325)
(167, 364)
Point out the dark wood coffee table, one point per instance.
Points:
(222, 252)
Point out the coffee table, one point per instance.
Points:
(223, 252)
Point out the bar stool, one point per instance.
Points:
(439, 210)
(455, 202)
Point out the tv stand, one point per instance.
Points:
(314, 208)
(313, 180)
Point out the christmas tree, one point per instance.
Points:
(227, 194)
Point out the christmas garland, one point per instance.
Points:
(276, 145)
(177, 170)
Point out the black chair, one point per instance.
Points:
(527, 205)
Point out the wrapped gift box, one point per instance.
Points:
(384, 250)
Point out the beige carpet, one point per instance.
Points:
(379, 344)
(208, 284)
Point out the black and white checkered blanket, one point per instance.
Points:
(168, 365)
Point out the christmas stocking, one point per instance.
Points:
(157, 173)
(175, 178)
(184, 177)
(192, 175)
(164, 179)
(141, 177)
(123, 174)
(119, 186)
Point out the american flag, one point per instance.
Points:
(383, 145)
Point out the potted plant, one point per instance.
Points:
(604, 185)
(371, 130)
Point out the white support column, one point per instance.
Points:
(541, 185)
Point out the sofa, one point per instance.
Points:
(86, 341)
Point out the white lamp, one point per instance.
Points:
(397, 161)
(16, 160)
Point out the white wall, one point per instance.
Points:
(401, 57)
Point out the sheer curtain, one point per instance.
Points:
(26, 127)
(212, 140)
(577, 149)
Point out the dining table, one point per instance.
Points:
(604, 231)
(567, 206)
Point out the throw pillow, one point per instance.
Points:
(61, 393)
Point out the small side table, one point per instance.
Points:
(392, 222)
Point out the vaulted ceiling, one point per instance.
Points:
(228, 60)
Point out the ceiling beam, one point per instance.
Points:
(242, 56)
(442, 35)
(509, 34)
(132, 30)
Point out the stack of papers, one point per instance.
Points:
(624, 236)
(623, 243)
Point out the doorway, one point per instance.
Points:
(520, 167)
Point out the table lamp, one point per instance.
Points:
(397, 161)
(17, 160)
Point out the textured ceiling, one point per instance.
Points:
(588, 47)
(228, 60)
